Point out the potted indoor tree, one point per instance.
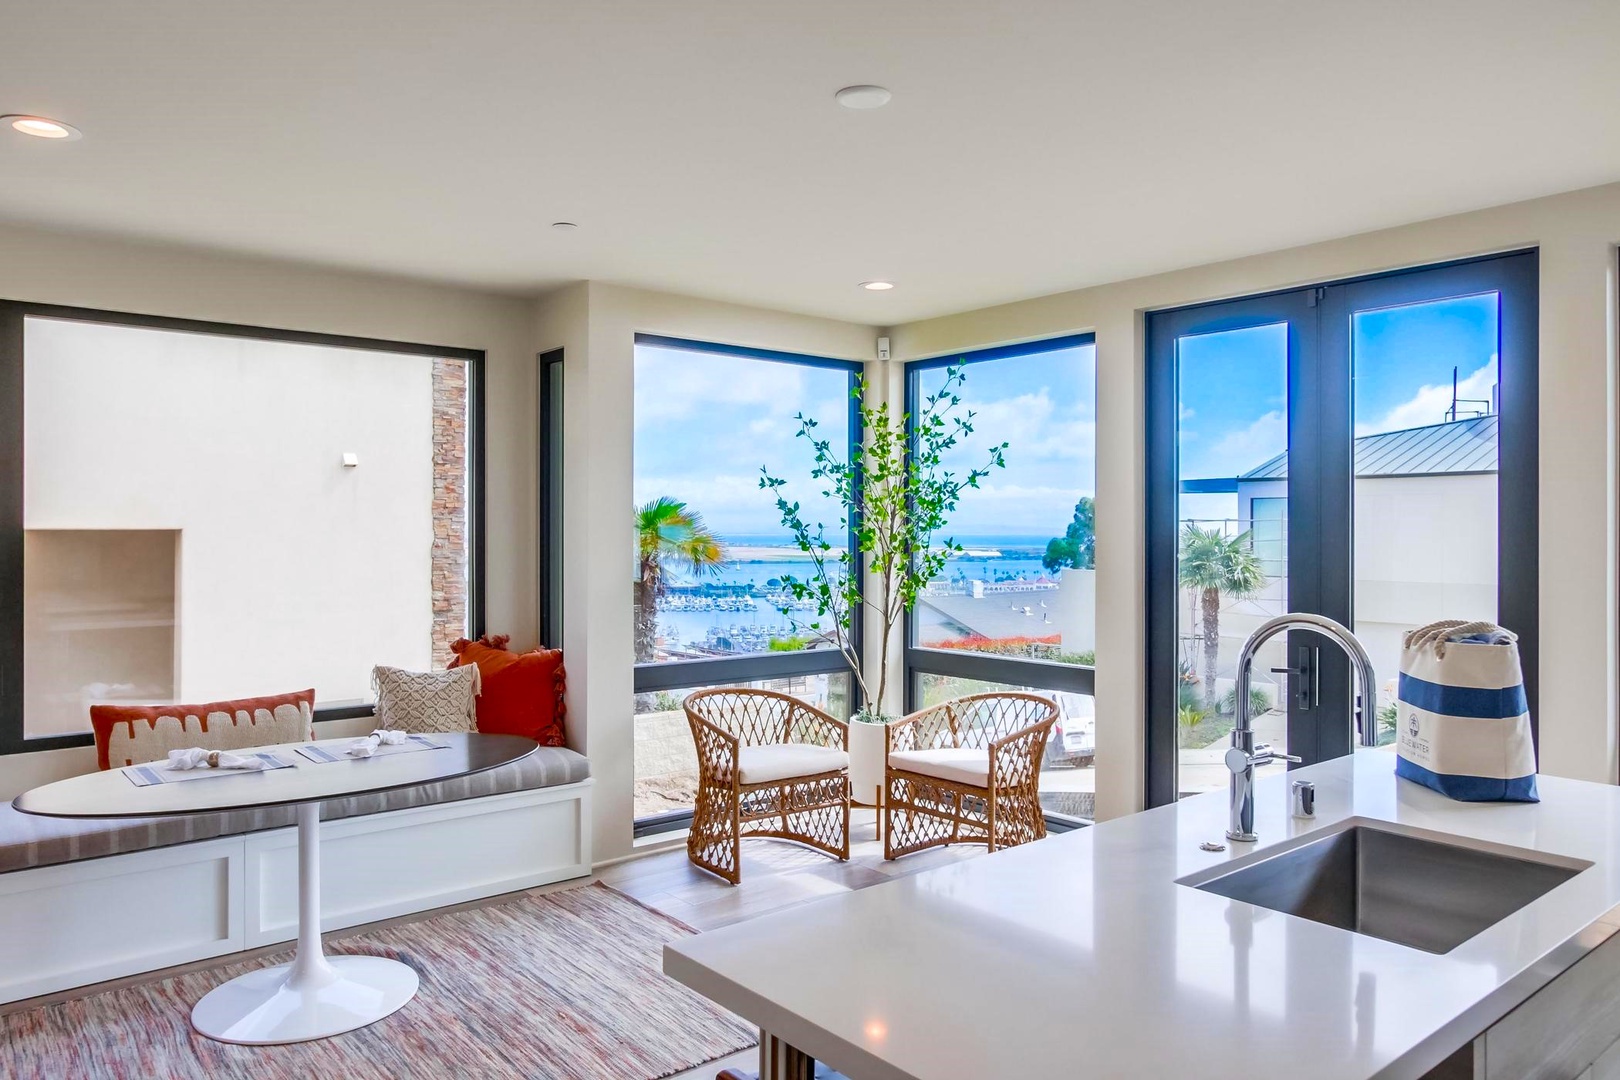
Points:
(894, 495)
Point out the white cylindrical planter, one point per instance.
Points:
(867, 744)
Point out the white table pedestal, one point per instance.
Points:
(315, 995)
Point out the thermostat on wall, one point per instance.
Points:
(351, 461)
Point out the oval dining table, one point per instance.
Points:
(316, 995)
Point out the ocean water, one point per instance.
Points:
(1015, 558)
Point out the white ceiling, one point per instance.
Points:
(1031, 147)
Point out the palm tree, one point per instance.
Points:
(667, 534)
(1214, 563)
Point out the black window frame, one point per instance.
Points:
(550, 568)
(675, 675)
(958, 663)
(983, 667)
(13, 314)
(1325, 508)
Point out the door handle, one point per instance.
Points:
(1307, 692)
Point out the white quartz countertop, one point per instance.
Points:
(1081, 956)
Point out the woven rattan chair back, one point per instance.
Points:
(812, 809)
(923, 811)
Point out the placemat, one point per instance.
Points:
(158, 773)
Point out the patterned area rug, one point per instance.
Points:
(566, 985)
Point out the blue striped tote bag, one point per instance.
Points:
(1464, 723)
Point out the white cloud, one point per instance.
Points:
(676, 384)
(1238, 451)
(1431, 403)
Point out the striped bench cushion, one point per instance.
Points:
(28, 841)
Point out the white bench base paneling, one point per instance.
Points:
(384, 865)
(86, 922)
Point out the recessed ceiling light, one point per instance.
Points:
(877, 286)
(564, 226)
(863, 97)
(41, 127)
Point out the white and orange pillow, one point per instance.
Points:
(135, 734)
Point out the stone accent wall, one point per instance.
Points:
(449, 506)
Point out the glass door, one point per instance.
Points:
(1235, 404)
(1363, 450)
(1231, 537)
(1443, 393)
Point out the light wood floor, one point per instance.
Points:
(776, 874)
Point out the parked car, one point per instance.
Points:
(1074, 737)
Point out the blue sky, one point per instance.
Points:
(706, 422)
(1045, 406)
(1233, 393)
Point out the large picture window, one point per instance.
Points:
(202, 512)
(1016, 607)
(711, 555)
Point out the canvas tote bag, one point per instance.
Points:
(1463, 720)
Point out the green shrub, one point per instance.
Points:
(1259, 702)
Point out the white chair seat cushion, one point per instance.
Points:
(779, 761)
(962, 765)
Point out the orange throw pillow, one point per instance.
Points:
(136, 734)
(523, 692)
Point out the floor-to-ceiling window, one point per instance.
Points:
(201, 512)
(1365, 450)
(712, 605)
(1015, 608)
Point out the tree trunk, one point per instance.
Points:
(1211, 604)
(645, 631)
(646, 623)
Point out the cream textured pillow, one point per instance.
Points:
(425, 701)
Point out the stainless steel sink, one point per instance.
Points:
(1415, 888)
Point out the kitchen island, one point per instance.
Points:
(1085, 955)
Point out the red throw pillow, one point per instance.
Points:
(523, 692)
(135, 734)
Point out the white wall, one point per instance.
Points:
(98, 623)
(293, 570)
(1576, 235)
(52, 267)
(596, 324)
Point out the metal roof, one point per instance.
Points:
(1462, 446)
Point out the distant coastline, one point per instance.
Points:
(762, 549)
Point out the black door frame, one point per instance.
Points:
(1321, 456)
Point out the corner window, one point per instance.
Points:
(206, 512)
(1015, 608)
(711, 556)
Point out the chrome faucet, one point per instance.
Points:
(1241, 758)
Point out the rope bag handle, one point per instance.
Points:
(1437, 635)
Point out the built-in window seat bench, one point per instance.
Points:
(85, 900)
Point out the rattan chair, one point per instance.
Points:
(967, 771)
(768, 765)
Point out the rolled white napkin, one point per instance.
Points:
(198, 758)
(381, 737)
